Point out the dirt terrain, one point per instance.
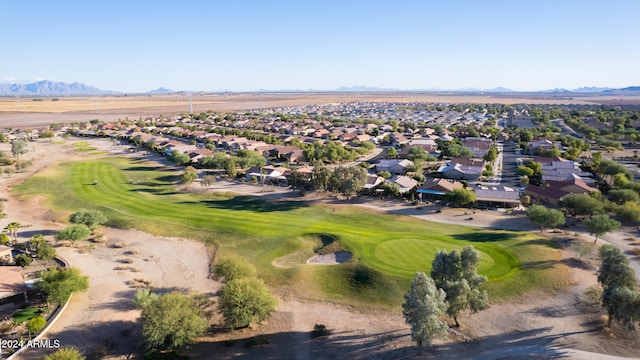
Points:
(24, 112)
(103, 323)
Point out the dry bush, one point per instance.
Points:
(132, 252)
(64, 243)
(101, 238)
(84, 248)
(125, 260)
(139, 283)
(127, 268)
(635, 251)
(119, 245)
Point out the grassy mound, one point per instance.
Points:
(387, 249)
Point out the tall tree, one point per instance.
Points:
(600, 225)
(190, 175)
(423, 306)
(13, 227)
(349, 180)
(545, 217)
(172, 321)
(461, 197)
(456, 273)
(320, 177)
(582, 204)
(619, 286)
(392, 153)
(18, 147)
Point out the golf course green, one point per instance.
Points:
(387, 249)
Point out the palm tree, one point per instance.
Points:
(13, 229)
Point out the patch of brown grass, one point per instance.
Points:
(139, 283)
(127, 268)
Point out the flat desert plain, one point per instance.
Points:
(25, 112)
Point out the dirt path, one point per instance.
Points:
(103, 324)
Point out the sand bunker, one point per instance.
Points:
(330, 259)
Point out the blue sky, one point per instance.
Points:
(241, 45)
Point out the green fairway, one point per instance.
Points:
(387, 249)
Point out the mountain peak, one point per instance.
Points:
(50, 88)
(161, 90)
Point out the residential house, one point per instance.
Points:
(559, 169)
(552, 192)
(460, 172)
(479, 146)
(406, 183)
(538, 145)
(268, 175)
(372, 182)
(496, 197)
(197, 154)
(438, 188)
(6, 256)
(394, 166)
(12, 286)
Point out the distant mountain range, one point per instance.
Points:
(51, 88)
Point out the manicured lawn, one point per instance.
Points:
(387, 249)
(26, 315)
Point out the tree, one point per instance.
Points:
(22, 260)
(349, 180)
(296, 179)
(18, 147)
(417, 153)
(190, 175)
(628, 212)
(230, 167)
(619, 293)
(172, 321)
(47, 134)
(232, 267)
(13, 227)
(622, 196)
(89, 217)
(456, 273)
(392, 153)
(582, 204)
(179, 158)
(524, 171)
(391, 188)
(492, 154)
(73, 233)
(600, 225)
(423, 306)
(207, 181)
(35, 325)
(58, 285)
(144, 297)
(244, 301)
(581, 249)
(461, 197)
(620, 180)
(65, 354)
(320, 177)
(545, 217)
